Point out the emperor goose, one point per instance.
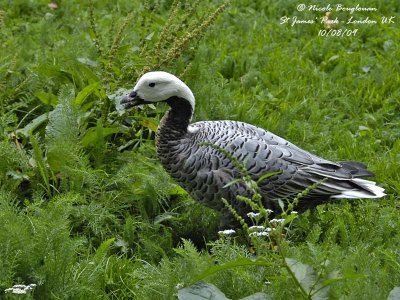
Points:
(199, 156)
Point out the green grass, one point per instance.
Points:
(86, 209)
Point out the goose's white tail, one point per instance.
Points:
(369, 189)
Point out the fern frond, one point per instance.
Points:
(63, 120)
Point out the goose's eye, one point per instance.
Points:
(152, 84)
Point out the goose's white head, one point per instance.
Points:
(158, 86)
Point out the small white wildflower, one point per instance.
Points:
(253, 215)
(19, 291)
(30, 287)
(262, 233)
(277, 221)
(256, 228)
(19, 286)
(179, 286)
(294, 212)
(270, 211)
(226, 232)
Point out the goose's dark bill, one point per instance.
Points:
(132, 100)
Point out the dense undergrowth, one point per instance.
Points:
(88, 213)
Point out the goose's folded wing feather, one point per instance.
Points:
(262, 152)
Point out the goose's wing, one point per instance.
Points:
(263, 152)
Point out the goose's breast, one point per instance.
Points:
(201, 170)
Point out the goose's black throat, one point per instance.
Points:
(181, 110)
(175, 122)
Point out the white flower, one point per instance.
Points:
(20, 289)
(15, 290)
(262, 233)
(256, 228)
(270, 211)
(253, 215)
(30, 287)
(179, 286)
(294, 212)
(277, 221)
(226, 232)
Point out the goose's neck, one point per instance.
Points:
(175, 122)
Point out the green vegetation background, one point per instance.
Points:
(86, 211)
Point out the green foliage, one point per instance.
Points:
(210, 291)
(13, 166)
(37, 246)
(86, 210)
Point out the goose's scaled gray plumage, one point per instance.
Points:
(188, 154)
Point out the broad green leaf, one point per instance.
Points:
(257, 296)
(201, 291)
(35, 123)
(88, 73)
(394, 294)
(86, 92)
(161, 218)
(49, 70)
(55, 71)
(304, 274)
(95, 134)
(150, 124)
(47, 98)
(308, 279)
